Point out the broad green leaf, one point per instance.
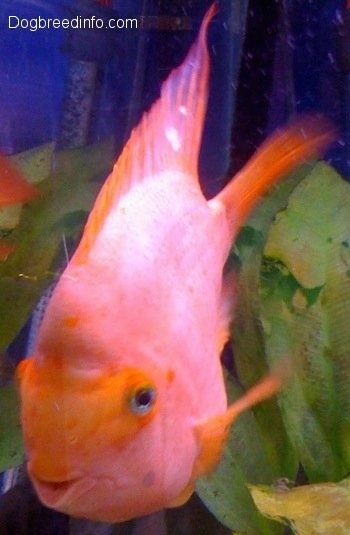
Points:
(318, 208)
(293, 302)
(247, 332)
(322, 509)
(305, 306)
(258, 448)
(9, 217)
(11, 446)
(70, 189)
(36, 163)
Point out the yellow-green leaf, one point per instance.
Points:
(321, 509)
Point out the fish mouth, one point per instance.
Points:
(61, 495)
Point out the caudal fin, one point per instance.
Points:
(279, 154)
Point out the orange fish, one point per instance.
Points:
(13, 189)
(123, 403)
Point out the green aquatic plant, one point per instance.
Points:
(66, 195)
(293, 303)
(310, 241)
(11, 447)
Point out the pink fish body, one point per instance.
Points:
(123, 402)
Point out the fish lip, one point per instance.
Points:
(61, 494)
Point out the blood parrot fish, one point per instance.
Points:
(13, 189)
(123, 403)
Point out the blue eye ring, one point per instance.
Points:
(142, 400)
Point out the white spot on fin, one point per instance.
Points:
(173, 137)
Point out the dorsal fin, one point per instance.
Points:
(168, 136)
(281, 153)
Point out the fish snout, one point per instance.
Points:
(51, 470)
(60, 494)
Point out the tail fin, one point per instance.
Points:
(280, 154)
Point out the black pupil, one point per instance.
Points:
(144, 398)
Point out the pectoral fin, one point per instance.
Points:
(212, 433)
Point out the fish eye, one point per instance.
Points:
(142, 400)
